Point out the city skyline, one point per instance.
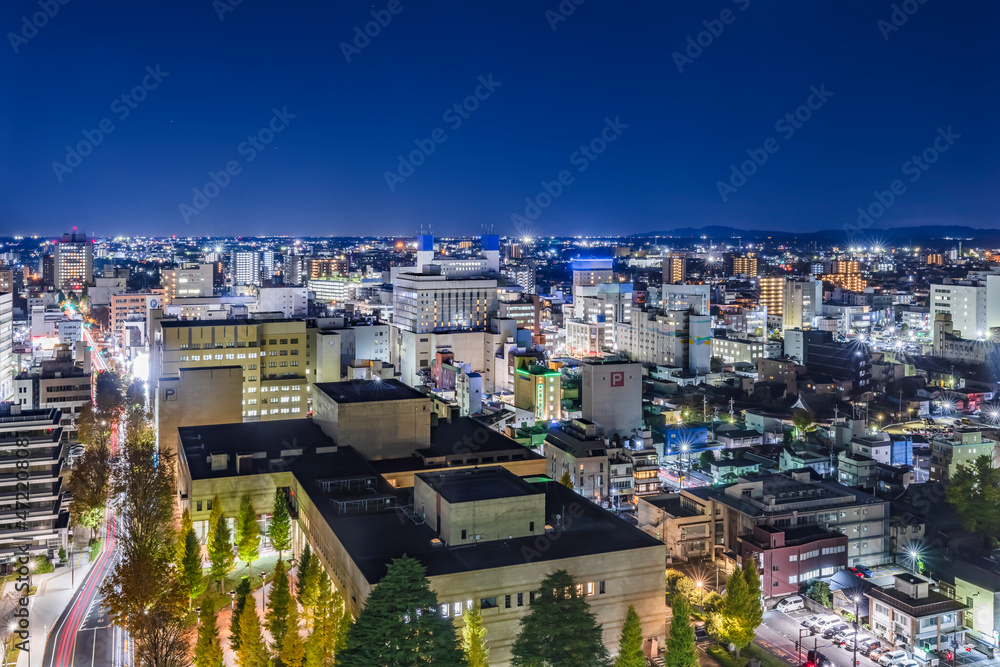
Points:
(600, 119)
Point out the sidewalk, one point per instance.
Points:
(55, 590)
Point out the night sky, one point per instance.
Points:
(669, 136)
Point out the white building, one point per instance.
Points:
(803, 303)
(190, 280)
(586, 339)
(290, 301)
(676, 338)
(972, 306)
(246, 267)
(426, 302)
(6, 345)
(684, 297)
(74, 262)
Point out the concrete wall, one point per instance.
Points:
(197, 397)
(376, 429)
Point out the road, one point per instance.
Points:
(83, 636)
(96, 355)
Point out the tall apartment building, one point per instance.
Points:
(132, 304)
(676, 338)
(6, 345)
(772, 295)
(589, 272)
(741, 265)
(189, 280)
(245, 267)
(325, 267)
(696, 298)
(272, 354)
(73, 262)
(35, 525)
(674, 269)
(802, 304)
(426, 302)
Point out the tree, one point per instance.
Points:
(820, 591)
(735, 624)
(559, 630)
(309, 580)
(208, 648)
(754, 609)
(293, 650)
(247, 532)
(280, 530)
(630, 643)
(712, 602)
(974, 491)
(803, 421)
(220, 551)
(477, 654)
(324, 643)
(213, 519)
(566, 480)
(252, 651)
(302, 582)
(278, 605)
(400, 624)
(89, 484)
(239, 605)
(186, 525)
(706, 459)
(192, 577)
(681, 649)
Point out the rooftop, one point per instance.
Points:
(368, 391)
(462, 486)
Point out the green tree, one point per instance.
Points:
(630, 643)
(303, 583)
(220, 551)
(89, 483)
(326, 622)
(293, 650)
(240, 604)
(706, 459)
(400, 624)
(803, 421)
(559, 630)
(186, 525)
(712, 602)
(566, 480)
(681, 649)
(208, 648)
(974, 491)
(247, 532)
(754, 611)
(280, 530)
(477, 653)
(278, 607)
(213, 519)
(192, 578)
(252, 651)
(735, 623)
(310, 589)
(820, 591)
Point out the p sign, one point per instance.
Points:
(169, 394)
(617, 378)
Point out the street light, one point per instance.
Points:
(857, 609)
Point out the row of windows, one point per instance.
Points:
(834, 550)
(209, 346)
(514, 599)
(274, 411)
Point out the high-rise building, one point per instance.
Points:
(6, 345)
(592, 272)
(538, 390)
(73, 262)
(267, 263)
(611, 396)
(424, 302)
(695, 298)
(674, 268)
(972, 305)
(772, 295)
(803, 303)
(245, 267)
(47, 269)
(675, 338)
(741, 265)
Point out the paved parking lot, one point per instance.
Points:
(780, 632)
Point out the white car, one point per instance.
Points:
(791, 603)
(892, 657)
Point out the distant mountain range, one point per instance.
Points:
(944, 236)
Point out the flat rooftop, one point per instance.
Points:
(368, 391)
(462, 486)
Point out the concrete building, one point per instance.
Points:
(802, 303)
(586, 339)
(612, 397)
(272, 354)
(197, 397)
(132, 303)
(245, 267)
(968, 303)
(693, 298)
(476, 531)
(772, 296)
(576, 449)
(73, 262)
(913, 616)
(590, 272)
(289, 301)
(789, 557)
(425, 302)
(961, 448)
(35, 525)
(676, 338)
(735, 349)
(674, 269)
(681, 522)
(187, 281)
(56, 383)
(6, 345)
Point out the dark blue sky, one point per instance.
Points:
(325, 172)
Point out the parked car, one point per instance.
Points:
(834, 629)
(906, 663)
(823, 622)
(856, 572)
(891, 657)
(858, 640)
(809, 620)
(791, 603)
(867, 646)
(818, 659)
(878, 652)
(867, 571)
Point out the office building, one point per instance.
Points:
(586, 339)
(693, 298)
(73, 262)
(56, 383)
(789, 557)
(802, 303)
(611, 397)
(575, 450)
(971, 305)
(847, 361)
(289, 301)
(591, 272)
(189, 280)
(676, 338)
(426, 302)
(132, 304)
(963, 447)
